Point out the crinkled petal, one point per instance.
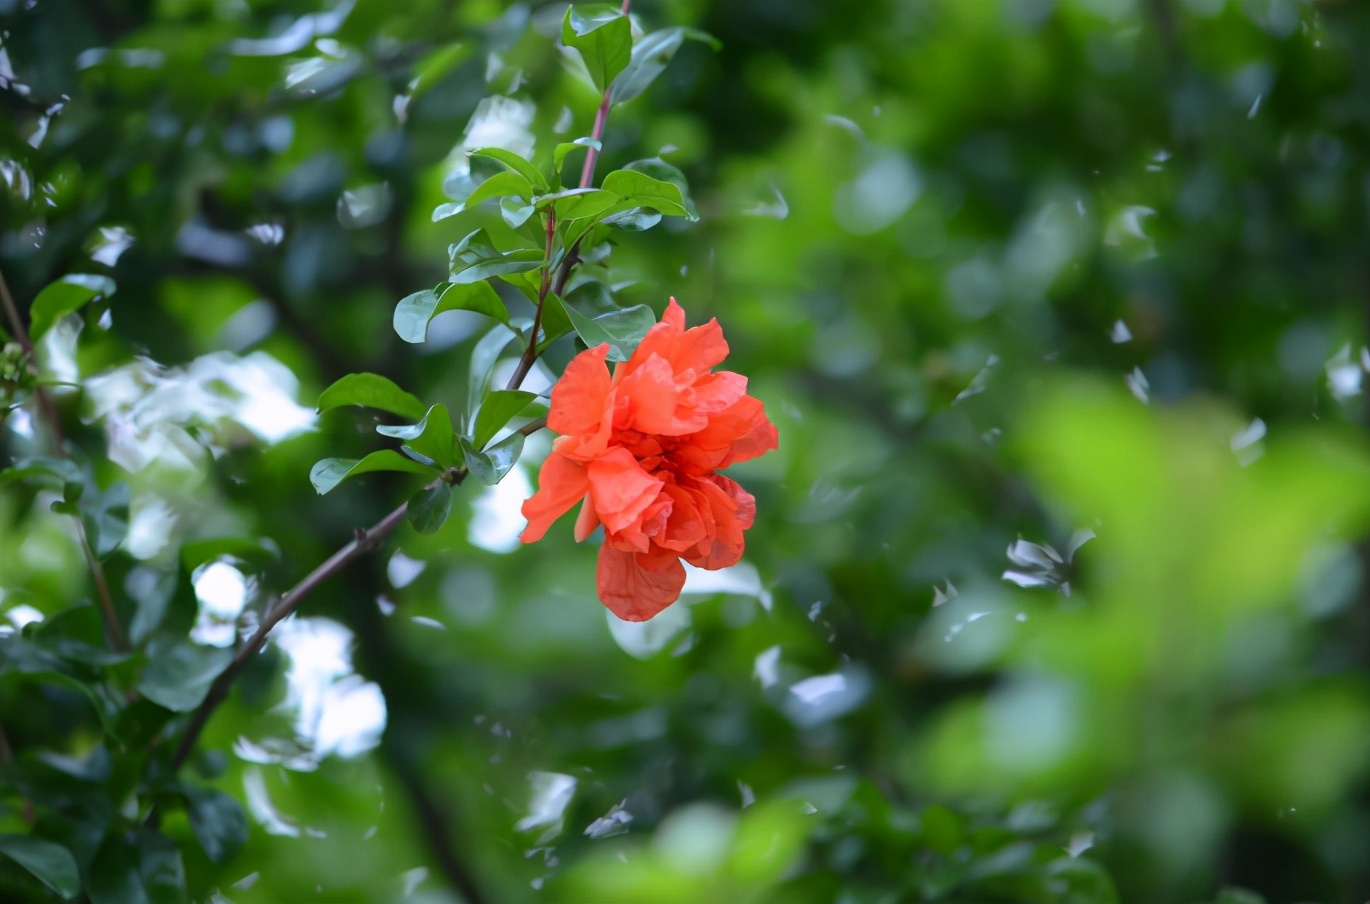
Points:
(686, 525)
(619, 489)
(730, 519)
(636, 586)
(586, 521)
(580, 400)
(561, 484)
(645, 400)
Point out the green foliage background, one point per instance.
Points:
(945, 240)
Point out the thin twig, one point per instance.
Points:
(572, 255)
(47, 413)
(287, 603)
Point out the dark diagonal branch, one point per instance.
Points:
(283, 606)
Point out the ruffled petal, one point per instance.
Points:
(732, 514)
(646, 399)
(561, 484)
(686, 524)
(580, 398)
(636, 586)
(619, 489)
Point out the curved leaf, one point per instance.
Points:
(64, 296)
(490, 466)
(641, 190)
(371, 391)
(649, 59)
(218, 821)
(515, 163)
(51, 864)
(180, 679)
(329, 472)
(415, 312)
(429, 508)
(495, 411)
(604, 39)
(622, 329)
(432, 437)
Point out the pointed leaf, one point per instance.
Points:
(429, 508)
(495, 411)
(218, 821)
(180, 678)
(649, 59)
(566, 147)
(642, 190)
(432, 437)
(64, 296)
(371, 391)
(415, 312)
(483, 359)
(490, 466)
(605, 42)
(51, 864)
(329, 472)
(622, 329)
(576, 203)
(515, 163)
(515, 212)
(500, 185)
(555, 323)
(666, 172)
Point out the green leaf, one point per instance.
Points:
(145, 868)
(649, 59)
(483, 359)
(415, 312)
(432, 437)
(77, 634)
(666, 172)
(604, 39)
(555, 323)
(329, 472)
(20, 656)
(641, 190)
(371, 391)
(64, 296)
(474, 259)
(151, 591)
(500, 185)
(51, 864)
(578, 203)
(218, 821)
(429, 70)
(566, 147)
(515, 163)
(106, 519)
(515, 212)
(622, 329)
(490, 466)
(634, 219)
(180, 678)
(495, 411)
(429, 508)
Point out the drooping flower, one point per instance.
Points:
(639, 449)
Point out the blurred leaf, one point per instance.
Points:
(604, 37)
(106, 519)
(50, 863)
(372, 391)
(431, 437)
(143, 868)
(622, 329)
(429, 508)
(415, 312)
(151, 591)
(495, 411)
(490, 466)
(649, 58)
(180, 678)
(329, 472)
(436, 65)
(260, 550)
(68, 294)
(218, 821)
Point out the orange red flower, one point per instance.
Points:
(640, 450)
